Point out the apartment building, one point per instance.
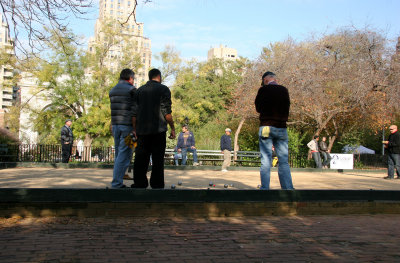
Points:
(223, 52)
(117, 12)
(6, 70)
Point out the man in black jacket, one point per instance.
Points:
(150, 118)
(121, 98)
(67, 140)
(323, 148)
(393, 147)
(273, 103)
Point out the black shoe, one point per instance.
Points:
(123, 186)
(388, 177)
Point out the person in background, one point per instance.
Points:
(226, 148)
(67, 140)
(313, 146)
(323, 148)
(186, 143)
(393, 148)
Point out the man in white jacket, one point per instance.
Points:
(313, 145)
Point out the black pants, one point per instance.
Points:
(153, 145)
(66, 152)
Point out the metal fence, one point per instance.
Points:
(53, 154)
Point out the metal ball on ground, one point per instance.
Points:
(226, 186)
(173, 186)
(210, 184)
(179, 182)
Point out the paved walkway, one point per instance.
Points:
(195, 179)
(372, 238)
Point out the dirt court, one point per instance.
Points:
(197, 179)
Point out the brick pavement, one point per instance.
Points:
(361, 238)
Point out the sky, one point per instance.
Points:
(194, 26)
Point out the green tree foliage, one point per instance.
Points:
(203, 91)
(76, 84)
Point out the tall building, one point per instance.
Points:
(223, 52)
(117, 12)
(6, 70)
(7, 92)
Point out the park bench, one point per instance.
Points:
(215, 157)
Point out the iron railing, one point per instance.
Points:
(90, 154)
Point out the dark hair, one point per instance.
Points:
(126, 74)
(185, 126)
(154, 73)
(316, 136)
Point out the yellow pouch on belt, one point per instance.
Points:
(265, 132)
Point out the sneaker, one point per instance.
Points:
(388, 177)
(196, 164)
(224, 170)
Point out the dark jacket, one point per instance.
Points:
(322, 146)
(189, 141)
(66, 135)
(152, 103)
(394, 143)
(121, 98)
(226, 143)
(273, 103)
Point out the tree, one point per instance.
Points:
(338, 77)
(76, 85)
(171, 62)
(29, 18)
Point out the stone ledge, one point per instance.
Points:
(199, 203)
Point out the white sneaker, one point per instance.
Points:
(196, 164)
(224, 170)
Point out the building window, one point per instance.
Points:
(111, 12)
(129, 3)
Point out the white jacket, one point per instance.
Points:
(313, 145)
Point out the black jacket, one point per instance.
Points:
(394, 143)
(226, 143)
(121, 98)
(152, 103)
(323, 147)
(66, 135)
(273, 103)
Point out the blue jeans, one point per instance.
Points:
(327, 158)
(393, 162)
(279, 138)
(123, 154)
(184, 155)
(177, 156)
(317, 159)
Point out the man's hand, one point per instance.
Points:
(193, 147)
(134, 134)
(172, 135)
(385, 142)
(66, 142)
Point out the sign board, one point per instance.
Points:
(341, 161)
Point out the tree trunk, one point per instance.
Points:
(236, 145)
(87, 151)
(333, 138)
